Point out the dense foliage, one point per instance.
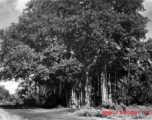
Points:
(86, 52)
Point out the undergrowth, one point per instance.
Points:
(94, 112)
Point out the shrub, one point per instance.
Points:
(60, 106)
(139, 116)
(114, 106)
(89, 112)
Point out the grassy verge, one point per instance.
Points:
(143, 114)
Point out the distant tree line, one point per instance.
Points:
(90, 52)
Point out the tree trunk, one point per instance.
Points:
(115, 80)
(87, 90)
(81, 101)
(67, 100)
(60, 88)
(110, 94)
(74, 101)
(99, 83)
(104, 87)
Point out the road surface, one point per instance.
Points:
(6, 116)
(40, 114)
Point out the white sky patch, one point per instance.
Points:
(10, 10)
(21, 4)
(148, 13)
(11, 86)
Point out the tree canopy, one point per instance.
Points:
(88, 49)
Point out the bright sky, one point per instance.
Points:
(148, 13)
(11, 86)
(11, 9)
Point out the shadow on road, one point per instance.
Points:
(11, 106)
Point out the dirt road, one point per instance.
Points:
(40, 114)
(6, 116)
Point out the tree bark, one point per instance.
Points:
(87, 93)
(104, 87)
(110, 94)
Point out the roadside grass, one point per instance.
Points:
(89, 112)
(143, 114)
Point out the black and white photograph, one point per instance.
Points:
(75, 59)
